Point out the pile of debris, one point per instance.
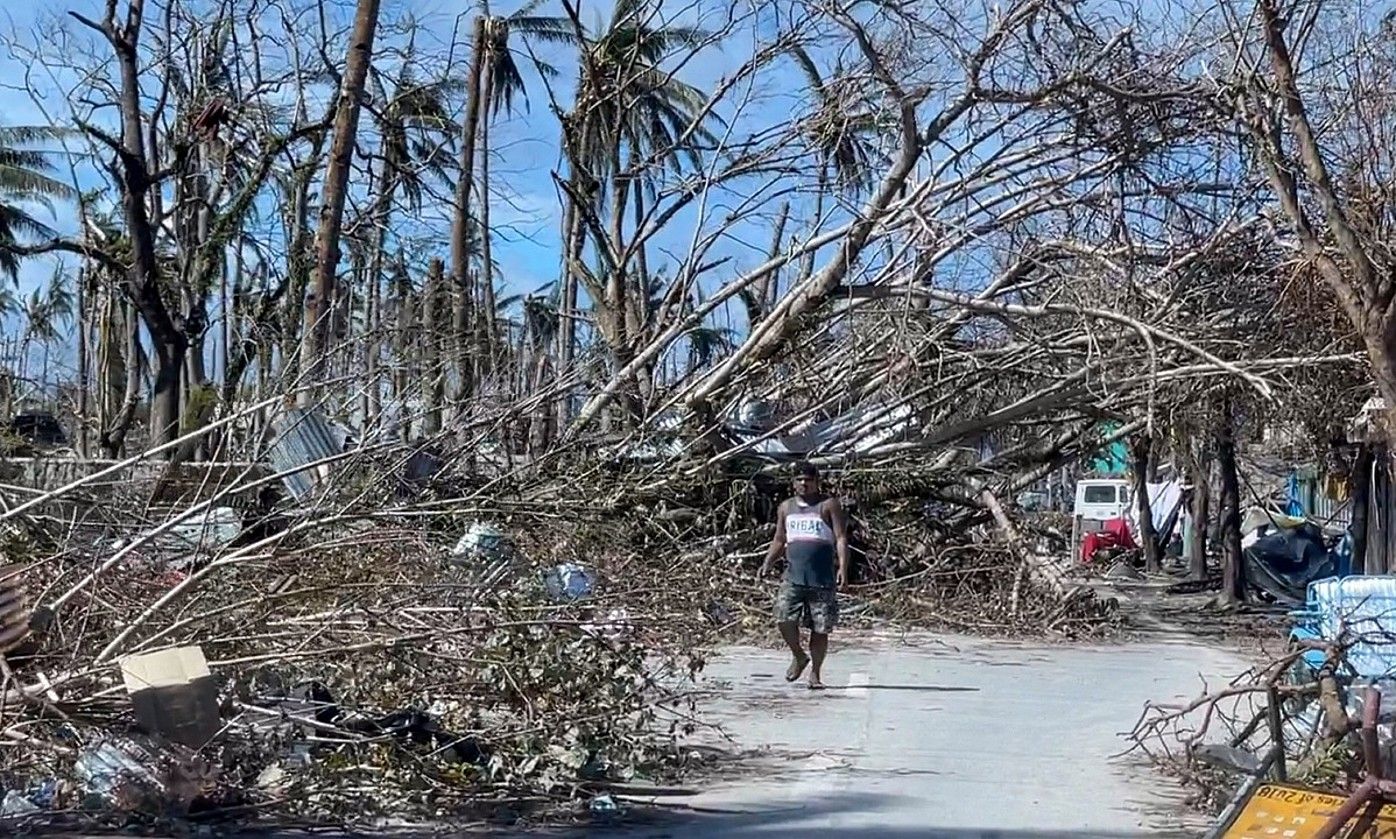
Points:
(1311, 726)
(461, 646)
(365, 671)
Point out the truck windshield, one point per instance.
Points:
(1099, 494)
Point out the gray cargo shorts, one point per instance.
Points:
(816, 608)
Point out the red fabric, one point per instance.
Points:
(1115, 535)
(1119, 528)
(1094, 542)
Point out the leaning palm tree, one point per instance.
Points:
(494, 84)
(336, 188)
(26, 181)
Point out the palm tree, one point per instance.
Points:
(113, 326)
(493, 85)
(46, 312)
(9, 307)
(346, 126)
(410, 124)
(630, 112)
(843, 135)
(629, 115)
(430, 346)
(706, 343)
(626, 102)
(540, 327)
(25, 179)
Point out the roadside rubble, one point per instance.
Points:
(1309, 734)
(391, 678)
(383, 680)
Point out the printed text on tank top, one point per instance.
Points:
(805, 523)
(809, 545)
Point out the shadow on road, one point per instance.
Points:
(833, 816)
(830, 816)
(927, 688)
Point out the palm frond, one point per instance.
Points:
(20, 176)
(25, 135)
(546, 69)
(15, 223)
(527, 9)
(671, 38)
(549, 30)
(807, 66)
(9, 263)
(507, 81)
(627, 12)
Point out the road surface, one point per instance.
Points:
(948, 737)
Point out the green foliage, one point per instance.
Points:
(583, 705)
(1323, 770)
(26, 181)
(629, 104)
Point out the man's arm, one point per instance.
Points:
(839, 522)
(777, 542)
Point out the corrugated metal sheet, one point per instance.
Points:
(14, 608)
(1309, 497)
(1330, 513)
(303, 437)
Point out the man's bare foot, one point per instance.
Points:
(815, 683)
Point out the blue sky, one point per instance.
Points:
(525, 208)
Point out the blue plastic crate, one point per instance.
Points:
(1360, 609)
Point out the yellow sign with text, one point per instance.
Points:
(1279, 812)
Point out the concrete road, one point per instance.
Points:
(951, 737)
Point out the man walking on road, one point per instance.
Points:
(810, 530)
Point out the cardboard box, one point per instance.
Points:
(174, 694)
